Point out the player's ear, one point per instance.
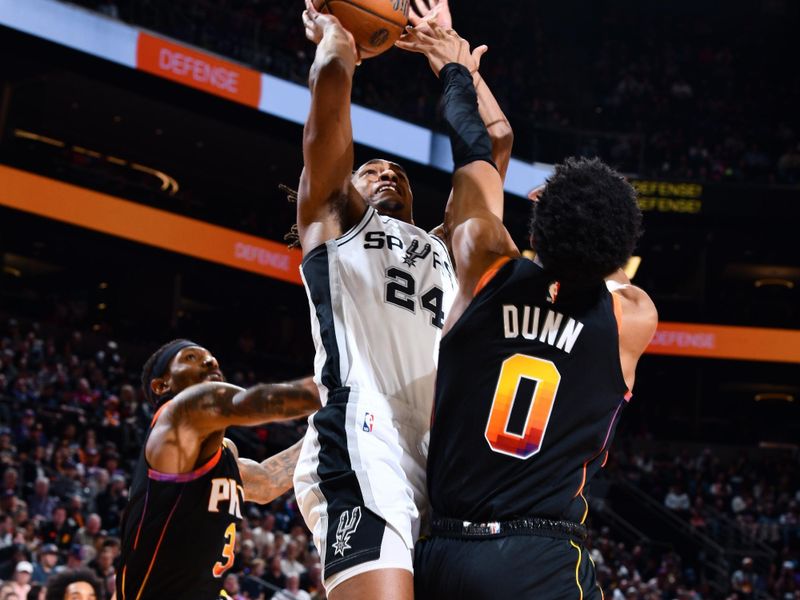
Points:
(159, 386)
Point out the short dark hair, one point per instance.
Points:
(147, 371)
(395, 165)
(58, 584)
(586, 223)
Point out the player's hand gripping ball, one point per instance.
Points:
(375, 24)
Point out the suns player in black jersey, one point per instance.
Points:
(537, 361)
(179, 528)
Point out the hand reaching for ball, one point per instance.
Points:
(318, 25)
(430, 10)
(441, 46)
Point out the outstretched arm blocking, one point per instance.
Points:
(191, 426)
(474, 215)
(210, 407)
(500, 133)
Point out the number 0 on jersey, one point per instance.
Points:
(547, 378)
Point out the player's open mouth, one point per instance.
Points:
(214, 376)
(387, 186)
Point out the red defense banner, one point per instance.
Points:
(198, 70)
(722, 341)
(107, 214)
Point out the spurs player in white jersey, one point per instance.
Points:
(379, 289)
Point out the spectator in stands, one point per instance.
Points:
(744, 580)
(231, 587)
(10, 481)
(290, 565)
(292, 590)
(60, 530)
(263, 534)
(312, 580)
(91, 533)
(41, 503)
(788, 581)
(45, 567)
(112, 501)
(275, 575)
(21, 583)
(251, 584)
(26, 427)
(103, 563)
(75, 558)
(8, 531)
(245, 556)
(677, 499)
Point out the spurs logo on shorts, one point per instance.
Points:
(348, 523)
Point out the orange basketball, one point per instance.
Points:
(375, 24)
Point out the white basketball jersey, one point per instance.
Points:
(379, 295)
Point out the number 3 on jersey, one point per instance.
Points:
(227, 552)
(514, 370)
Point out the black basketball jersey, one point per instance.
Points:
(527, 399)
(179, 531)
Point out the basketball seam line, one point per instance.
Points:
(366, 10)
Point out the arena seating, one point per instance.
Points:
(628, 92)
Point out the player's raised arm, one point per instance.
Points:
(473, 219)
(498, 126)
(327, 137)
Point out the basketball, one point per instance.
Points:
(375, 24)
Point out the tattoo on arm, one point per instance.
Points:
(265, 481)
(275, 401)
(215, 406)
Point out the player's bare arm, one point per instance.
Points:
(474, 215)
(265, 481)
(498, 126)
(327, 203)
(191, 426)
(639, 322)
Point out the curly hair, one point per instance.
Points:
(58, 584)
(586, 223)
(147, 372)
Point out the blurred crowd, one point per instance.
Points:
(636, 571)
(675, 90)
(758, 495)
(72, 423)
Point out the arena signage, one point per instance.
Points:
(197, 69)
(110, 39)
(727, 342)
(668, 196)
(113, 216)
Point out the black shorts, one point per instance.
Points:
(513, 566)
